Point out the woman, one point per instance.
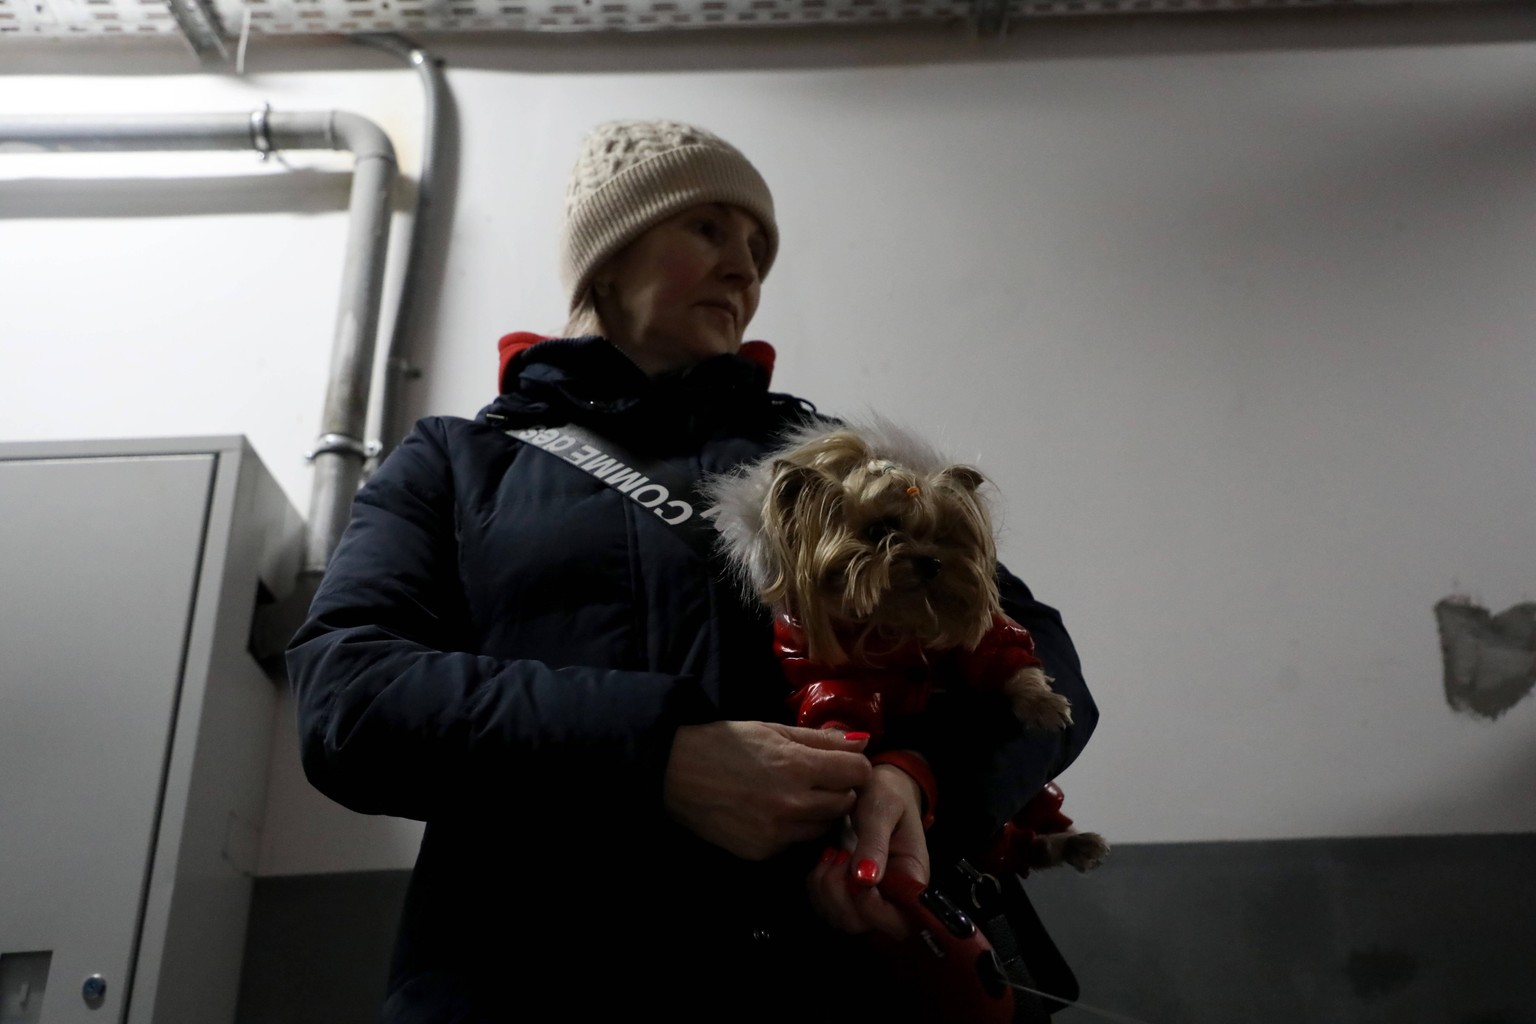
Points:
(549, 675)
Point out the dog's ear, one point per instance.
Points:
(795, 496)
(791, 481)
(964, 477)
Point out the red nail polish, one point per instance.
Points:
(840, 858)
(855, 737)
(866, 871)
(828, 855)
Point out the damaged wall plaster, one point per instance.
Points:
(1490, 660)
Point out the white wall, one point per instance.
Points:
(1242, 333)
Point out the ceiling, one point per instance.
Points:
(203, 20)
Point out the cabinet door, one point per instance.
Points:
(98, 567)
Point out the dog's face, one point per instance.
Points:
(860, 540)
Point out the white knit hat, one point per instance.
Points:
(634, 174)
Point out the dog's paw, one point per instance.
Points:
(1042, 708)
(1085, 850)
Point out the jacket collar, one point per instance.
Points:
(587, 378)
(511, 348)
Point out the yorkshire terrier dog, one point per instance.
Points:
(877, 557)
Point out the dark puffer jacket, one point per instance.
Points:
(504, 646)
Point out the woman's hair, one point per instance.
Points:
(584, 319)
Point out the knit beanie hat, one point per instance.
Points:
(632, 175)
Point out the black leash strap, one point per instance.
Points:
(667, 495)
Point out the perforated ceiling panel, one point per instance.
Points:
(86, 17)
(584, 14)
(570, 15)
(283, 17)
(66, 17)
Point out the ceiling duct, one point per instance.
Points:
(211, 24)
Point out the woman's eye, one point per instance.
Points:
(708, 228)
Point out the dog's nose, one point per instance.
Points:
(927, 568)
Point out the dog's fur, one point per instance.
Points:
(870, 539)
(868, 533)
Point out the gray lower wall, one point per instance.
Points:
(1410, 930)
(1413, 930)
(317, 948)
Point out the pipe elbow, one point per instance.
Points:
(360, 136)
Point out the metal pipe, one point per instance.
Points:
(340, 451)
(398, 368)
(127, 133)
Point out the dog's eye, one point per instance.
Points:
(878, 530)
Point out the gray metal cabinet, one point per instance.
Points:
(135, 727)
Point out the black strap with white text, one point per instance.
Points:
(653, 486)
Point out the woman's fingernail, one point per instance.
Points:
(828, 855)
(855, 737)
(841, 857)
(866, 871)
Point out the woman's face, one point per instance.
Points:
(686, 289)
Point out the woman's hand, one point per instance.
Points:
(754, 788)
(885, 833)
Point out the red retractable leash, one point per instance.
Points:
(955, 969)
(957, 973)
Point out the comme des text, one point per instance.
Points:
(610, 470)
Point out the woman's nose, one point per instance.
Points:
(736, 261)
